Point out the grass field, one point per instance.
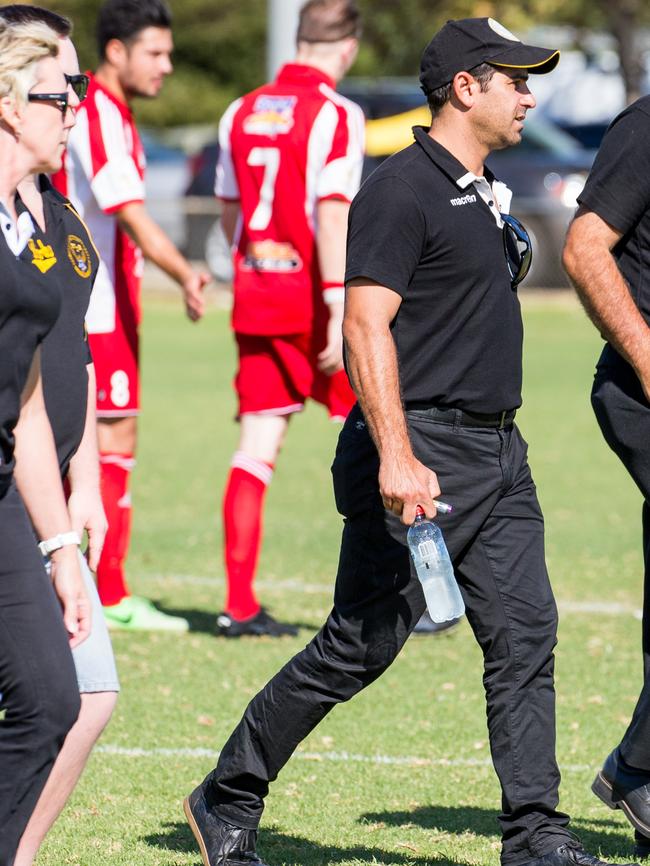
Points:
(401, 775)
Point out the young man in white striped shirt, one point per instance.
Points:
(103, 176)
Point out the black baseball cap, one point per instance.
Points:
(463, 44)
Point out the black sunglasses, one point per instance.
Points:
(60, 100)
(79, 84)
(517, 247)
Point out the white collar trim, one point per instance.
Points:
(16, 234)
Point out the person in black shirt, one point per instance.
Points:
(68, 386)
(433, 338)
(40, 697)
(69, 391)
(607, 256)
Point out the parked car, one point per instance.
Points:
(166, 179)
(383, 97)
(589, 135)
(202, 210)
(546, 172)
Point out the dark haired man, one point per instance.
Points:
(433, 338)
(103, 176)
(23, 13)
(290, 163)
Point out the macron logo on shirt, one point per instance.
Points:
(470, 198)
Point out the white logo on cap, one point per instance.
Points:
(502, 31)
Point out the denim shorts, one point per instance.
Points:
(94, 659)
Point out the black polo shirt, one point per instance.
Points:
(65, 353)
(458, 331)
(618, 190)
(29, 304)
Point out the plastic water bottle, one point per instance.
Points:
(434, 568)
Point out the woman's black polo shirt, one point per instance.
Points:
(29, 304)
(65, 353)
(458, 331)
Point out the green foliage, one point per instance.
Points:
(225, 39)
(395, 35)
(219, 53)
(188, 96)
(221, 44)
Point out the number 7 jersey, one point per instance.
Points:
(284, 148)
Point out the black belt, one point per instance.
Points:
(497, 420)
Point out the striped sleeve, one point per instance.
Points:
(225, 185)
(113, 174)
(342, 126)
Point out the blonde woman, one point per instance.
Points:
(40, 618)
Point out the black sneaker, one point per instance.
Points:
(220, 843)
(260, 625)
(425, 625)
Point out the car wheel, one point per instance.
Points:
(218, 255)
(546, 271)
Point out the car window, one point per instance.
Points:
(542, 136)
(382, 98)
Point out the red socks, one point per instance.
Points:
(242, 521)
(242, 518)
(115, 470)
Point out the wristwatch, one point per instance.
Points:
(58, 541)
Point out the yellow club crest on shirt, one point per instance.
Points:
(79, 257)
(44, 257)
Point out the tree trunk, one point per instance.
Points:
(623, 18)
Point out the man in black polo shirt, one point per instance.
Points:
(607, 256)
(433, 336)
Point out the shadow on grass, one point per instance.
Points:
(279, 847)
(205, 621)
(450, 819)
(604, 835)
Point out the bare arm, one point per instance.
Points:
(229, 216)
(39, 484)
(332, 222)
(404, 482)
(157, 247)
(589, 262)
(85, 502)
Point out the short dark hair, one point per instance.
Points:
(441, 95)
(22, 13)
(328, 21)
(125, 19)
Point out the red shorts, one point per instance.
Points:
(277, 374)
(115, 356)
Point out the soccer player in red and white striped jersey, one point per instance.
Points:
(290, 163)
(104, 178)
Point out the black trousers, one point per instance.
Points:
(623, 414)
(39, 689)
(496, 540)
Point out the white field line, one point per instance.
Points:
(602, 607)
(330, 757)
(292, 584)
